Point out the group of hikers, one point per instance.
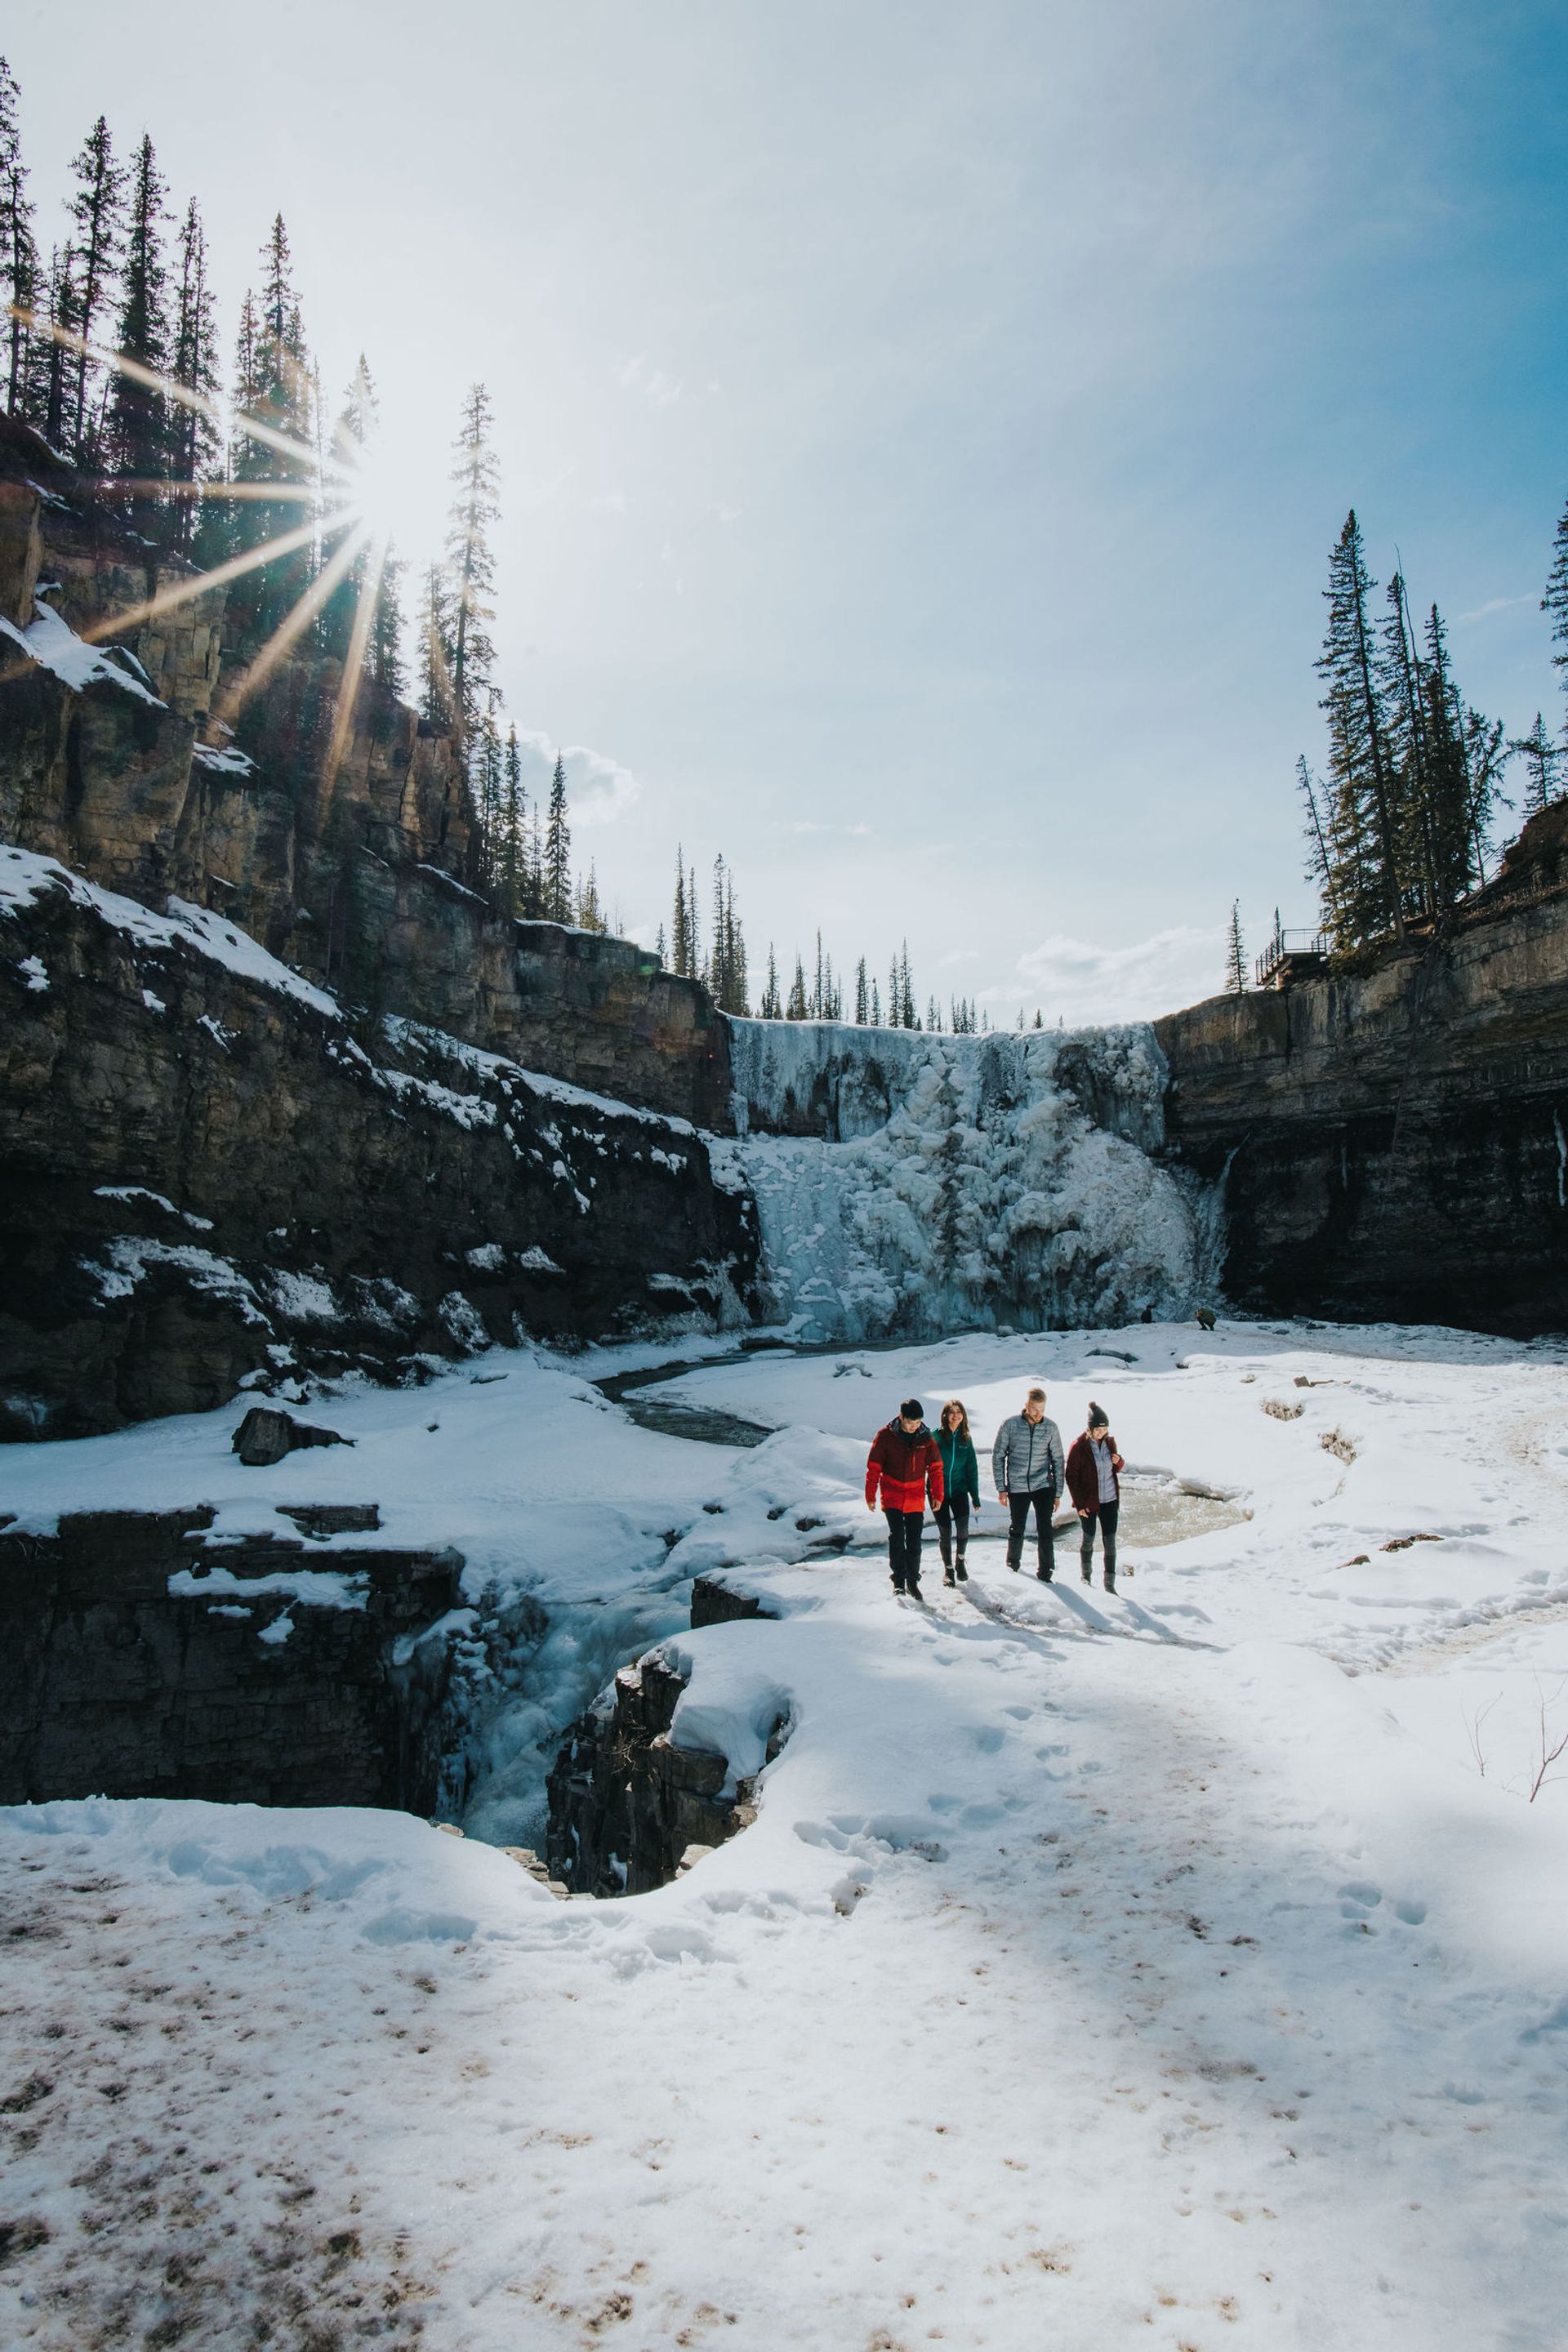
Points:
(909, 1464)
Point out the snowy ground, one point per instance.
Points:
(1156, 1969)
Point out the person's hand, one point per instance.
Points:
(1002, 1495)
(871, 1505)
(1082, 1513)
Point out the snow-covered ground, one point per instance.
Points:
(1100, 1970)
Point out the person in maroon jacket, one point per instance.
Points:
(1094, 1482)
(904, 1466)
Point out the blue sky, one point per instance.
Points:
(923, 428)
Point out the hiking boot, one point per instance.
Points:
(914, 1592)
(963, 1572)
(950, 1578)
(1044, 1575)
(1110, 1582)
(1089, 1576)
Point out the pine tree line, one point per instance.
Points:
(1401, 826)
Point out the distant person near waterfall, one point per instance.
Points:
(1027, 1464)
(961, 1478)
(903, 1467)
(1094, 1482)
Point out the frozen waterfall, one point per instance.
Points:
(911, 1184)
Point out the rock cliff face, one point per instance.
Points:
(1395, 1140)
(626, 1802)
(207, 1178)
(147, 751)
(133, 1663)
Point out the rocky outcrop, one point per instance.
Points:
(716, 1601)
(626, 1802)
(147, 749)
(1393, 1139)
(208, 1178)
(135, 1660)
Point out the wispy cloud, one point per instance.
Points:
(1494, 605)
(1084, 982)
(958, 955)
(598, 787)
(803, 825)
(655, 384)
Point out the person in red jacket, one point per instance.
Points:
(1094, 1482)
(904, 1466)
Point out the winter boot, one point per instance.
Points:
(913, 1590)
(962, 1571)
(948, 1576)
(1110, 1580)
(1044, 1575)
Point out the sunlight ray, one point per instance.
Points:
(294, 623)
(353, 666)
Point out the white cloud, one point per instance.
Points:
(958, 955)
(598, 787)
(804, 827)
(1494, 605)
(1084, 982)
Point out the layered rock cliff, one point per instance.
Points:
(1393, 1139)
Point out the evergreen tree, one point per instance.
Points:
(933, 1020)
(1364, 814)
(511, 864)
(355, 425)
(273, 388)
(876, 1007)
(20, 290)
(797, 1008)
(384, 657)
(862, 994)
(1486, 756)
(1555, 602)
(96, 209)
(485, 776)
(1040, 1021)
(54, 370)
(557, 875)
(194, 442)
(475, 478)
(1541, 759)
(1457, 818)
(435, 654)
(770, 1008)
(661, 948)
(1320, 867)
(1235, 954)
(137, 440)
(590, 914)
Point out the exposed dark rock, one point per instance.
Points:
(624, 1801)
(713, 1603)
(204, 1177)
(225, 1687)
(1393, 1137)
(267, 1433)
(332, 1519)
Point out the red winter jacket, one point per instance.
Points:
(1083, 1476)
(907, 1468)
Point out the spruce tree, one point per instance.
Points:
(137, 440)
(1235, 954)
(1365, 817)
(876, 1007)
(1452, 821)
(862, 995)
(96, 209)
(486, 781)
(196, 444)
(273, 386)
(1555, 602)
(354, 428)
(557, 875)
(770, 1008)
(48, 403)
(383, 655)
(590, 915)
(797, 1008)
(1541, 759)
(20, 287)
(513, 813)
(435, 654)
(475, 478)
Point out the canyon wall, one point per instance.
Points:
(134, 1663)
(1393, 1139)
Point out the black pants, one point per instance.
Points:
(904, 1548)
(953, 1512)
(1108, 1514)
(1042, 1502)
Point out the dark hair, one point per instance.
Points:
(957, 1405)
(1098, 1417)
(912, 1409)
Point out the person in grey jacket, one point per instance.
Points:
(1027, 1464)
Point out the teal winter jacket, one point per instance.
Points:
(960, 1472)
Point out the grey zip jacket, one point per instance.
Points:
(1027, 1458)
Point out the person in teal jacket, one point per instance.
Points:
(961, 1488)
